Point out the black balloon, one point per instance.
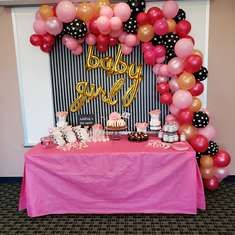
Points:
(77, 29)
(213, 149)
(202, 74)
(130, 26)
(200, 119)
(157, 40)
(169, 55)
(136, 6)
(181, 15)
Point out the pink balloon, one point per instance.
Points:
(160, 51)
(160, 27)
(163, 71)
(150, 57)
(160, 60)
(130, 40)
(39, 27)
(184, 47)
(38, 16)
(78, 51)
(170, 9)
(116, 34)
(170, 118)
(221, 173)
(103, 23)
(209, 132)
(126, 50)
(115, 23)
(174, 86)
(182, 99)
(147, 46)
(176, 66)
(161, 79)
(70, 42)
(156, 68)
(91, 39)
(54, 26)
(106, 11)
(173, 110)
(65, 11)
(122, 37)
(122, 10)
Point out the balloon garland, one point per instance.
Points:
(166, 45)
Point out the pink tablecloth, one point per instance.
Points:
(114, 177)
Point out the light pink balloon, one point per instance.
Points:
(91, 39)
(70, 42)
(65, 11)
(115, 23)
(209, 132)
(161, 79)
(156, 68)
(163, 71)
(116, 34)
(122, 10)
(174, 86)
(38, 16)
(221, 173)
(176, 66)
(170, 9)
(184, 48)
(78, 51)
(106, 11)
(160, 60)
(54, 26)
(130, 40)
(103, 23)
(173, 110)
(39, 27)
(122, 37)
(170, 118)
(182, 99)
(126, 50)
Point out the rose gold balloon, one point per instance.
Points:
(188, 130)
(207, 173)
(45, 12)
(171, 25)
(196, 105)
(85, 11)
(186, 81)
(198, 52)
(206, 162)
(100, 3)
(145, 33)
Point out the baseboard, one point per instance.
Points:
(14, 180)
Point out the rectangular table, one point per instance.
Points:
(113, 177)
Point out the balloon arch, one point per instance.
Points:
(166, 45)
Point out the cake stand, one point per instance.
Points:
(115, 132)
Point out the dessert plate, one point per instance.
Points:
(180, 146)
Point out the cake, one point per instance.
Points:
(115, 121)
(169, 132)
(155, 123)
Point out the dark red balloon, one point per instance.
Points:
(166, 98)
(101, 48)
(48, 38)
(212, 183)
(103, 40)
(93, 27)
(163, 87)
(222, 159)
(193, 63)
(113, 41)
(46, 47)
(36, 39)
(197, 89)
(199, 143)
(185, 116)
(160, 51)
(154, 13)
(183, 28)
(142, 18)
(191, 38)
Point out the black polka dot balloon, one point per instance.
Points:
(202, 74)
(157, 40)
(200, 119)
(213, 149)
(137, 6)
(181, 15)
(169, 40)
(77, 29)
(130, 26)
(169, 55)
